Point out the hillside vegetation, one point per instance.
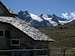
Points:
(64, 36)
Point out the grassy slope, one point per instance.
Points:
(64, 35)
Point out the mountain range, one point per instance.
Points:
(44, 20)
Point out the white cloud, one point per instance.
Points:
(65, 15)
(73, 14)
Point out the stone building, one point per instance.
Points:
(17, 38)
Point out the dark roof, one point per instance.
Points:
(5, 9)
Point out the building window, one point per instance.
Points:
(41, 52)
(1, 33)
(7, 34)
(2, 12)
(15, 42)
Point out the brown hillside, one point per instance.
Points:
(64, 35)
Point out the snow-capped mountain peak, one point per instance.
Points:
(50, 20)
(35, 17)
(46, 17)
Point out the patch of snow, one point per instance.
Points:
(47, 18)
(64, 22)
(35, 17)
(53, 23)
(50, 21)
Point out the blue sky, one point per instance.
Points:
(41, 6)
